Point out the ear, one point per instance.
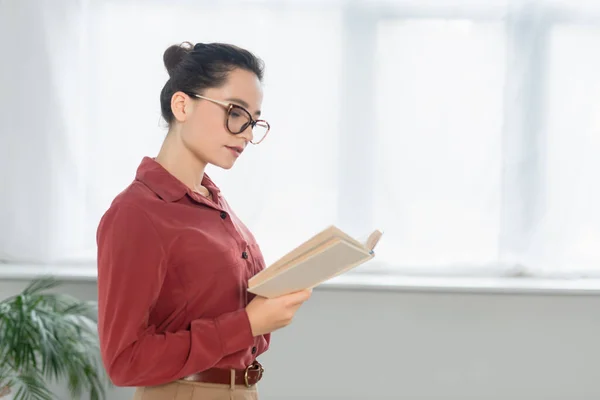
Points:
(181, 106)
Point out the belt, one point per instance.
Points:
(247, 377)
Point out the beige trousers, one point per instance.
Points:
(184, 390)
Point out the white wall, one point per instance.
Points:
(370, 345)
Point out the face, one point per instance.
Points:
(200, 123)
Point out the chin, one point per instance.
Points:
(224, 164)
(223, 160)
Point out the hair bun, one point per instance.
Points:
(175, 54)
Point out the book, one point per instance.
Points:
(326, 255)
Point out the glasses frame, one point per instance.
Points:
(228, 108)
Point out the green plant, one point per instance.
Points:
(49, 337)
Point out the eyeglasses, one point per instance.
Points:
(238, 119)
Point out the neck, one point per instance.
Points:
(176, 158)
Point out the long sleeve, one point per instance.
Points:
(132, 265)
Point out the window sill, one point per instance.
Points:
(68, 272)
(86, 272)
(462, 284)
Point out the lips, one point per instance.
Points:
(236, 149)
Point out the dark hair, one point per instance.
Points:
(194, 68)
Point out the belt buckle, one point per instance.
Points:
(255, 366)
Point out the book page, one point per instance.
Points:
(291, 262)
(314, 247)
(313, 270)
(372, 240)
(305, 247)
(312, 243)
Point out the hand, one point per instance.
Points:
(267, 315)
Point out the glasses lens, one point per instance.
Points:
(238, 120)
(260, 131)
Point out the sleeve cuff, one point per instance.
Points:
(234, 331)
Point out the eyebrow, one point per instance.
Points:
(242, 103)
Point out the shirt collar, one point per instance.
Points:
(165, 185)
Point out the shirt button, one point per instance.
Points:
(245, 255)
(254, 350)
(223, 215)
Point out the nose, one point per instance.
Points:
(247, 133)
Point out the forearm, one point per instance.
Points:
(156, 358)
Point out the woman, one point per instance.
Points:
(175, 318)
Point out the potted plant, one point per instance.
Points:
(49, 338)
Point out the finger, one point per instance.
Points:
(293, 310)
(299, 297)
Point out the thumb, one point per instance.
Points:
(302, 295)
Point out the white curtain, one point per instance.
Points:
(44, 131)
(468, 131)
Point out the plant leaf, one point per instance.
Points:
(50, 337)
(31, 386)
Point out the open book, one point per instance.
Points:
(324, 256)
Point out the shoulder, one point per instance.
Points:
(129, 210)
(136, 193)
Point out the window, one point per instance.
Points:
(439, 141)
(567, 239)
(467, 130)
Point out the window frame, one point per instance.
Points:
(528, 29)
